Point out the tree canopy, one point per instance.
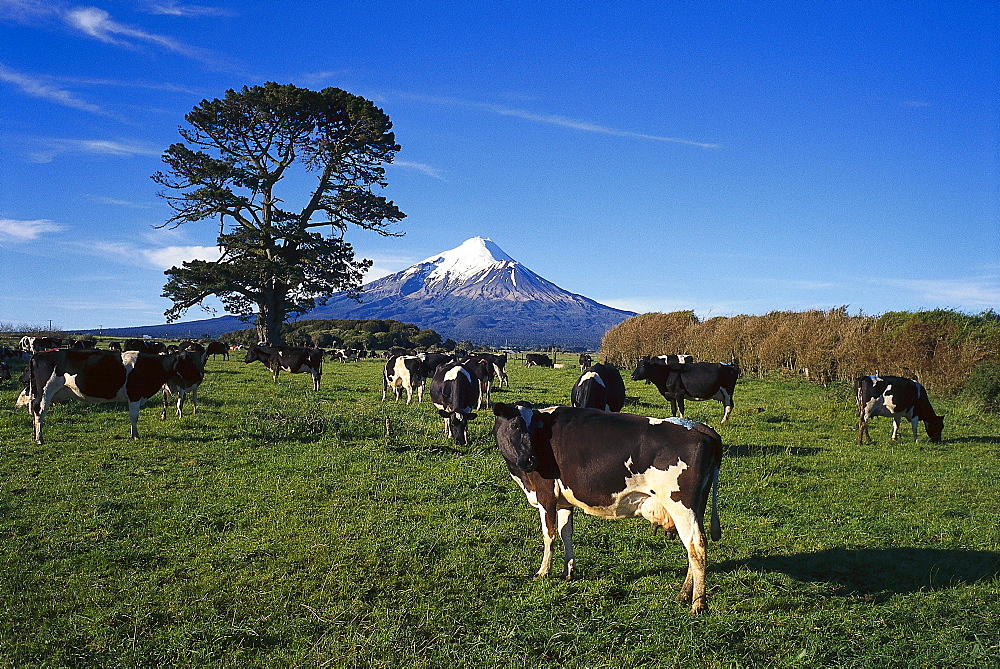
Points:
(285, 171)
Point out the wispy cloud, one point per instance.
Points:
(58, 147)
(974, 292)
(557, 120)
(23, 231)
(170, 8)
(174, 256)
(420, 167)
(97, 23)
(37, 87)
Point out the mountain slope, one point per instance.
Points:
(479, 293)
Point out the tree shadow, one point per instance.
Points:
(754, 450)
(877, 573)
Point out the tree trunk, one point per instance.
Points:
(270, 318)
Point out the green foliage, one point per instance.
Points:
(238, 151)
(983, 385)
(280, 527)
(367, 334)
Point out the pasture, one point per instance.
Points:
(282, 527)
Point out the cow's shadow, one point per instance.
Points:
(876, 574)
(753, 450)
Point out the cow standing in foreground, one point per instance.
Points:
(100, 376)
(896, 398)
(614, 465)
(404, 372)
(678, 379)
(600, 387)
(454, 390)
(293, 359)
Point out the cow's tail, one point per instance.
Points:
(716, 527)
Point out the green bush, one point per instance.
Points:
(983, 385)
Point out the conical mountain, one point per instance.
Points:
(478, 293)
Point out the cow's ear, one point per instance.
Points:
(443, 413)
(505, 410)
(470, 416)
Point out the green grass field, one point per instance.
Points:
(280, 527)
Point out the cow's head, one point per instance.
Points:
(253, 354)
(186, 367)
(512, 429)
(458, 423)
(934, 426)
(641, 370)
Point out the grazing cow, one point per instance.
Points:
(614, 465)
(600, 387)
(681, 380)
(454, 389)
(405, 371)
(481, 368)
(217, 348)
(585, 361)
(294, 359)
(100, 376)
(896, 398)
(537, 360)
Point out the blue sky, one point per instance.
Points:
(725, 157)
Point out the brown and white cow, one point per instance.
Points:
(614, 465)
(293, 359)
(100, 376)
(404, 372)
(896, 398)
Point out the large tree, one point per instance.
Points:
(326, 150)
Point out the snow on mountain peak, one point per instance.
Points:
(473, 257)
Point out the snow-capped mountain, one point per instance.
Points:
(479, 293)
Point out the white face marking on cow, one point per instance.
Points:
(526, 415)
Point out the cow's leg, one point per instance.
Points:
(548, 520)
(690, 531)
(275, 372)
(163, 414)
(316, 378)
(727, 402)
(673, 405)
(385, 386)
(680, 405)
(194, 400)
(181, 395)
(914, 422)
(409, 393)
(133, 414)
(420, 393)
(895, 427)
(565, 518)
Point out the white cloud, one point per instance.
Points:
(420, 167)
(974, 292)
(58, 147)
(23, 231)
(39, 88)
(171, 8)
(174, 256)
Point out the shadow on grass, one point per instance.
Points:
(877, 573)
(963, 440)
(753, 450)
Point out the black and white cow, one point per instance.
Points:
(586, 360)
(181, 388)
(404, 372)
(293, 359)
(679, 380)
(614, 465)
(454, 391)
(100, 376)
(36, 344)
(115, 346)
(896, 398)
(599, 387)
(434, 361)
(144, 346)
(481, 368)
(537, 360)
(499, 362)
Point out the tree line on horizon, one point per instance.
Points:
(366, 334)
(941, 348)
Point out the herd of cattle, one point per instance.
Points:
(588, 455)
